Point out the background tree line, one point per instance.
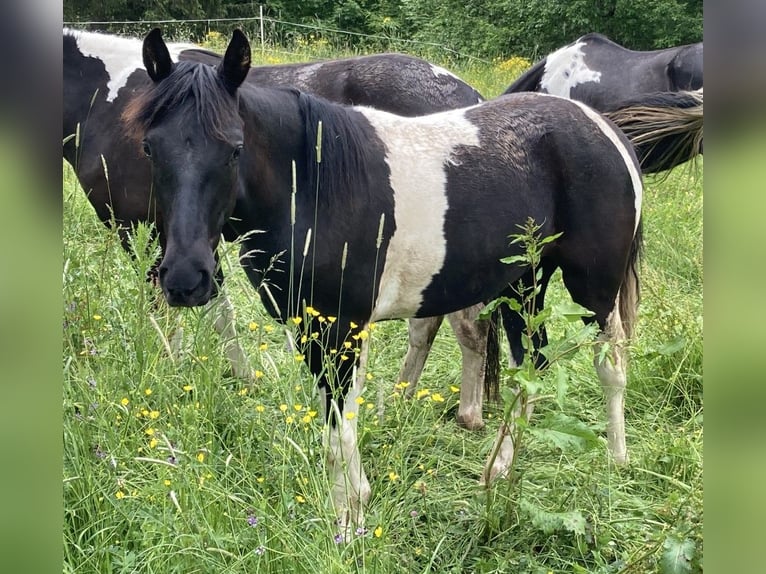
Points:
(483, 28)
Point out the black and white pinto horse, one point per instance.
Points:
(102, 72)
(371, 216)
(595, 70)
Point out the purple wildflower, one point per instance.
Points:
(252, 520)
(361, 531)
(414, 513)
(260, 550)
(338, 538)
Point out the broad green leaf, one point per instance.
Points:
(561, 379)
(677, 556)
(565, 432)
(550, 522)
(672, 347)
(571, 311)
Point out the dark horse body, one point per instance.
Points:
(601, 73)
(402, 216)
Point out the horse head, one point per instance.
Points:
(190, 129)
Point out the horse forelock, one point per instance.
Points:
(190, 88)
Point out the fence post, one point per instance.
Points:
(260, 16)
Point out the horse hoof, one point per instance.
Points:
(470, 422)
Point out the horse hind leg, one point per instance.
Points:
(611, 369)
(472, 337)
(610, 360)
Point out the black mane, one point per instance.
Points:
(214, 106)
(347, 149)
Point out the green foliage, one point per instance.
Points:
(488, 28)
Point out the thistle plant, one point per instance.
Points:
(540, 376)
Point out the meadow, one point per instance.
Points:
(173, 465)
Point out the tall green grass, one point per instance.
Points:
(171, 465)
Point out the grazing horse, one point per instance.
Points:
(601, 73)
(398, 217)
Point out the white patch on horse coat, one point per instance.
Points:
(121, 56)
(565, 68)
(417, 151)
(633, 170)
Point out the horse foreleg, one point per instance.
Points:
(472, 337)
(349, 487)
(611, 374)
(224, 326)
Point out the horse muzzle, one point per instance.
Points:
(187, 283)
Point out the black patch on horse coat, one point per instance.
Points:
(394, 82)
(544, 146)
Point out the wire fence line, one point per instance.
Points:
(273, 32)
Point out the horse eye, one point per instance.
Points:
(236, 153)
(147, 149)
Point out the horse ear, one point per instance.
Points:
(156, 56)
(236, 62)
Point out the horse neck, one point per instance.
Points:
(274, 139)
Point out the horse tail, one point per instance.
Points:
(665, 128)
(492, 362)
(529, 81)
(630, 291)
